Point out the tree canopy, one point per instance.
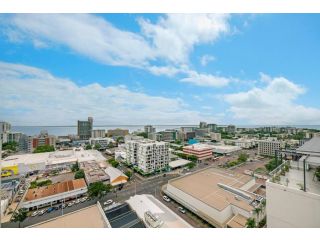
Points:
(79, 174)
(44, 148)
(98, 189)
(19, 216)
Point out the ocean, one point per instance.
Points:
(65, 130)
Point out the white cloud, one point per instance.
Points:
(175, 35)
(36, 97)
(205, 59)
(205, 80)
(169, 40)
(272, 104)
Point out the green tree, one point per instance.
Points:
(44, 148)
(251, 223)
(143, 134)
(75, 167)
(12, 146)
(79, 174)
(129, 174)
(97, 146)
(191, 165)
(243, 157)
(98, 189)
(88, 147)
(19, 216)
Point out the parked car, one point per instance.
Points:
(42, 212)
(108, 202)
(182, 210)
(77, 201)
(50, 209)
(56, 208)
(63, 206)
(166, 199)
(35, 213)
(83, 199)
(70, 204)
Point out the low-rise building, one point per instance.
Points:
(41, 140)
(215, 136)
(245, 143)
(201, 151)
(98, 133)
(93, 173)
(116, 177)
(118, 132)
(102, 141)
(220, 197)
(52, 194)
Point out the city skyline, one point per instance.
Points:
(162, 69)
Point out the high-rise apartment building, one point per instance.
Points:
(149, 129)
(231, 129)
(212, 127)
(269, 147)
(148, 155)
(85, 128)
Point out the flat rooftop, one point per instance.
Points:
(178, 163)
(203, 185)
(52, 158)
(42, 192)
(198, 147)
(89, 217)
(146, 202)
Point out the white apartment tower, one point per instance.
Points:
(148, 155)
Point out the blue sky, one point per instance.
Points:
(160, 68)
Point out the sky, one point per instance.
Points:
(137, 69)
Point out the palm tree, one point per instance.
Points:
(19, 216)
(257, 212)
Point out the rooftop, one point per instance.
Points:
(51, 158)
(311, 147)
(203, 185)
(47, 191)
(145, 202)
(178, 163)
(89, 217)
(123, 216)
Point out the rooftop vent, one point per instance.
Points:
(235, 191)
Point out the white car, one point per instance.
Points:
(77, 201)
(182, 210)
(35, 213)
(166, 199)
(70, 204)
(108, 202)
(42, 212)
(83, 199)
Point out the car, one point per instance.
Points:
(70, 204)
(108, 202)
(63, 206)
(83, 199)
(166, 199)
(56, 208)
(35, 213)
(182, 210)
(77, 201)
(50, 209)
(42, 212)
